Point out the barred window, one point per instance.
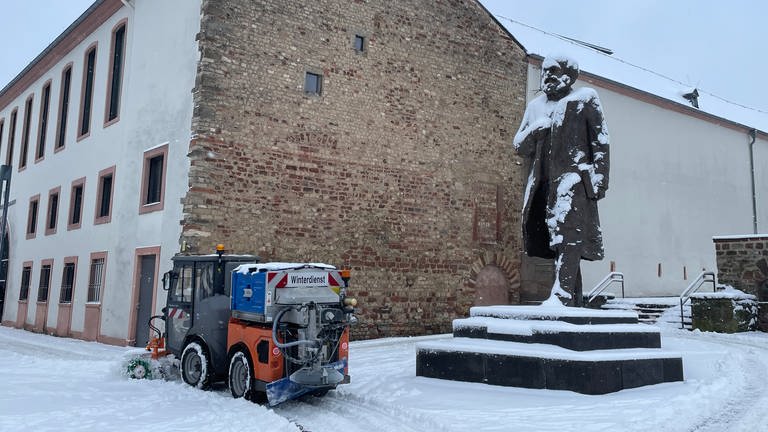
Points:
(45, 283)
(26, 275)
(67, 283)
(96, 280)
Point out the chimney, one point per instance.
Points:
(692, 97)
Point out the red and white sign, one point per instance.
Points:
(176, 313)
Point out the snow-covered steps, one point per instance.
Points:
(649, 309)
(565, 314)
(588, 351)
(577, 337)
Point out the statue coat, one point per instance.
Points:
(566, 142)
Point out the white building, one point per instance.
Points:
(680, 175)
(96, 139)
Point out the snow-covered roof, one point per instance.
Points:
(539, 43)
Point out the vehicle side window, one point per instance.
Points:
(182, 289)
(204, 280)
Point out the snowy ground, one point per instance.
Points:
(54, 384)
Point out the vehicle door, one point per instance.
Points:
(179, 314)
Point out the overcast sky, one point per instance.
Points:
(715, 45)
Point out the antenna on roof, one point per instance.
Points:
(589, 45)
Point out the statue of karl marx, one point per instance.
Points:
(564, 136)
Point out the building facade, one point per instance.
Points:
(369, 135)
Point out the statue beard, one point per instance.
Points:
(556, 88)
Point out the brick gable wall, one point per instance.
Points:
(401, 170)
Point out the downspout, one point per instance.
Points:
(752, 135)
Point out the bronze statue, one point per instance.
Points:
(564, 136)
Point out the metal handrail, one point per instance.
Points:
(685, 296)
(605, 283)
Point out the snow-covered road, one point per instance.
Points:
(49, 383)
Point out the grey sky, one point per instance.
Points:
(27, 27)
(713, 44)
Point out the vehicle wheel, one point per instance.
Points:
(240, 377)
(194, 366)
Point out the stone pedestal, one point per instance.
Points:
(583, 350)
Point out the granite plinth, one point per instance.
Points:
(583, 350)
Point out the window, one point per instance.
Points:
(153, 179)
(45, 281)
(182, 284)
(86, 100)
(96, 279)
(43, 124)
(2, 126)
(313, 84)
(115, 74)
(359, 43)
(76, 204)
(26, 276)
(53, 211)
(68, 280)
(61, 128)
(104, 196)
(34, 203)
(11, 136)
(25, 133)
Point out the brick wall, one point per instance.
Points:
(742, 262)
(737, 262)
(402, 169)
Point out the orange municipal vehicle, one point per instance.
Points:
(273, 331)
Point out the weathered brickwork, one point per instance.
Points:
(401, 169)
(742, 262)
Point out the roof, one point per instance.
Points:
(539, 43)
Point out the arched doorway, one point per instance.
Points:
(495, 279)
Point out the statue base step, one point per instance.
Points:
(522, 365)
(583, 350)
(577, 337)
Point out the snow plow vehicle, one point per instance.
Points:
(272, 331)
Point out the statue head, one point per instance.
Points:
(558, 73)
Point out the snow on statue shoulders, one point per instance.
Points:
(563, 134)
(542, 113)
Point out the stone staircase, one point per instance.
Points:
(652, 310)
(588, 351)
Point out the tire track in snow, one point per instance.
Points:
(354, 413)
(738, 413)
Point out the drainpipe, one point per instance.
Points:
(752, 135)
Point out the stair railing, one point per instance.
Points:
(685, 296)
(605, 283)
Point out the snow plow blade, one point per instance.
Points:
(285, 389)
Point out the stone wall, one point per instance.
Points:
(402, 169)
(742, 262)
